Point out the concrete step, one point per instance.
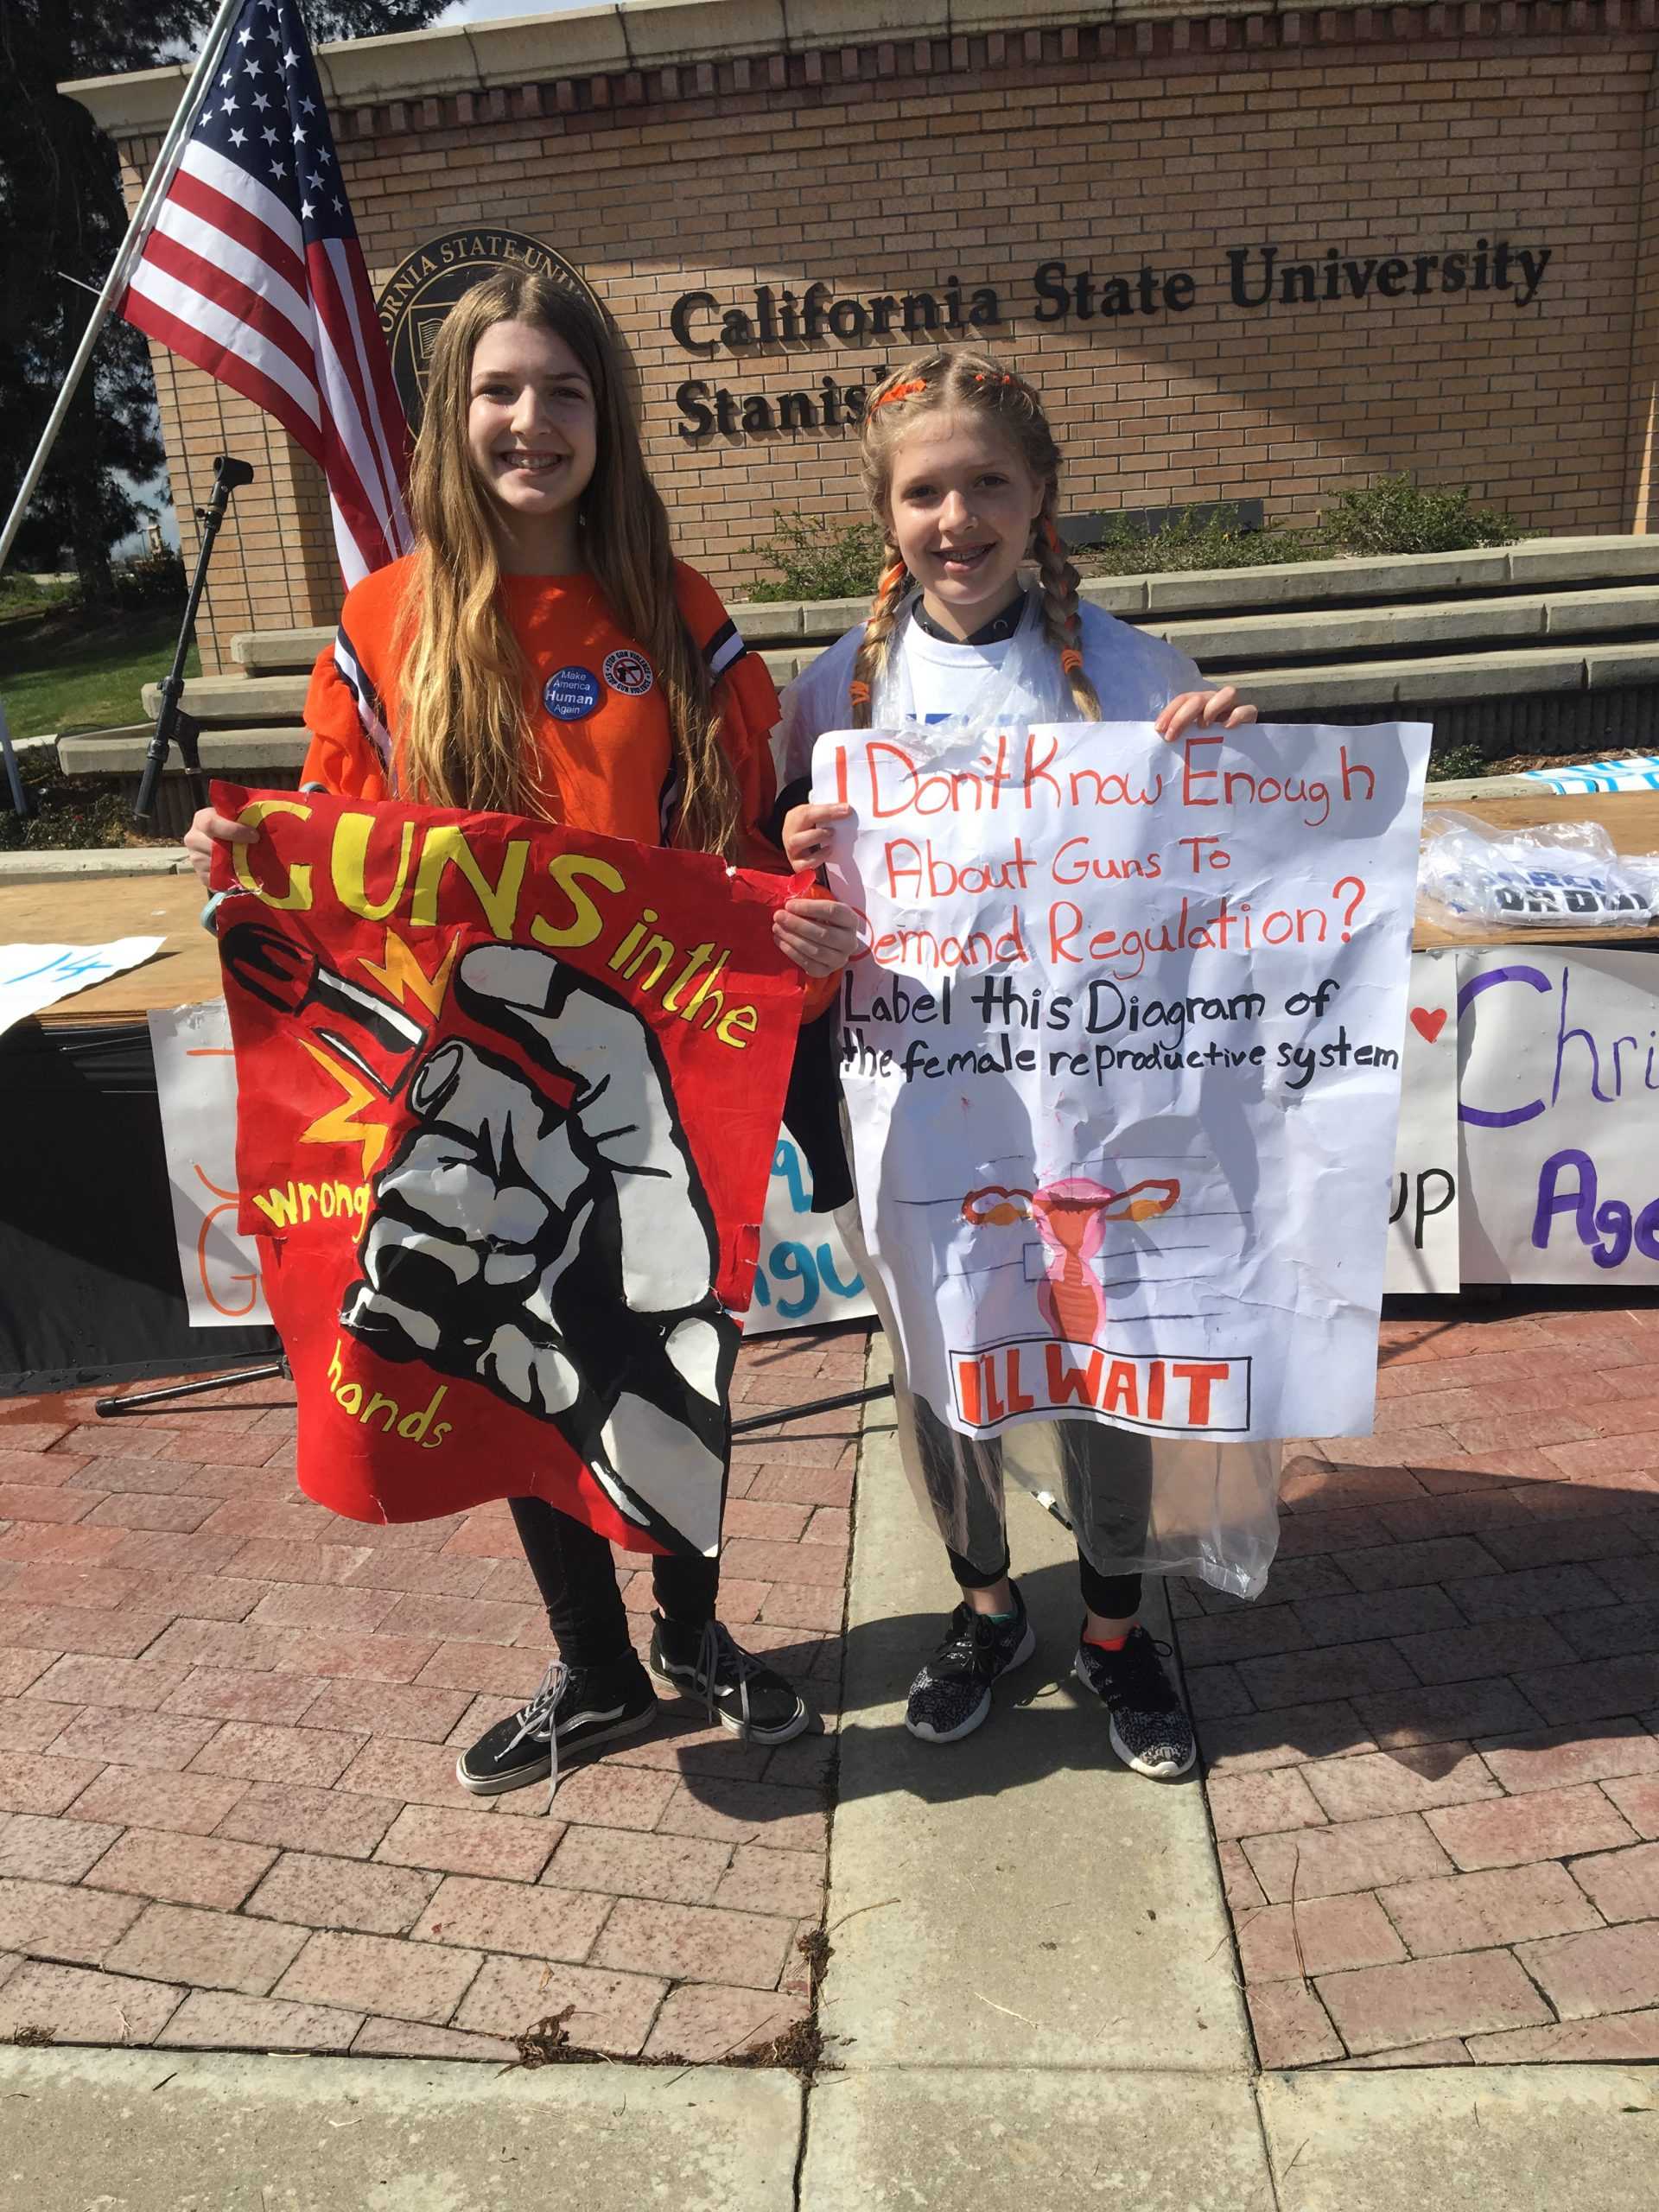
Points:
(1303, 691)
(279, 652)
(228, 704)
(1586, 563)
(228, 701)
(232, 753)
(1224, 641)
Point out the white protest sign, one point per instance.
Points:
(37, 975)
(195, 1085)
(1121, 1059)
(1423, 1237)
(1559, 1052)
(804, 1277)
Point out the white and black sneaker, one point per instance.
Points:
(952, 1695)
(1149, 1727)
(740, 1691)
(576, 1709)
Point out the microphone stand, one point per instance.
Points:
(173, 724)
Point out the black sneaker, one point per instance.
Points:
(741, 1692)
(1149, 1727)
(576, 1708)
(952, 1694)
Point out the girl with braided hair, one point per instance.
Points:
(962, 470)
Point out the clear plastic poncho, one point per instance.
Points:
(1136, 1503)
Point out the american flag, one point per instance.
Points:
(253, 271)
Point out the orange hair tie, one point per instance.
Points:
(899, 391)
(891, 579)
(859, 693)
(1071, 661)
(1052, 538)
(980, 377)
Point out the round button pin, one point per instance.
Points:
(571, 694)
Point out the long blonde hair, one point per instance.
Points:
(464, 736)
(961, 377)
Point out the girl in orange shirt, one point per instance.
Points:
(541, 652)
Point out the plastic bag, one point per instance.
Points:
(1566, 875)
(1136, 1505)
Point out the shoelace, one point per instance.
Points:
(718, 1648)
(973, 1640)
(1138, 1677)
(542, 1708)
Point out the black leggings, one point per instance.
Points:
(576, 1576)
(1114, 1596)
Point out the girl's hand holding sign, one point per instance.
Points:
(1201, 710)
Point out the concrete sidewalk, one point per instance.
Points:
(1033, 1988)
(1040, 1992)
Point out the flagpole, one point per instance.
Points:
(161, 177)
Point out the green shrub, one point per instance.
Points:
(830, 557)
(1395, 515)
(1457, 761)
(154, 580)
(20, 594)
(821, 556)
(1193, 540)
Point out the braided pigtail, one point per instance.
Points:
(871, 664)
(1061, 621)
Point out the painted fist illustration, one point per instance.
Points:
(562, 1255)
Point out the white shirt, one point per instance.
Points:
(1136, 677)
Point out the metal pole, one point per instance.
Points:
(14, 775)
(160, 178)
(813, 1406)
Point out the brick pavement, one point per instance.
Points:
(229, 1819)
(1432, 1745)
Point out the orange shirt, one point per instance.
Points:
(595, 708)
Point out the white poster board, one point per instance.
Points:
(195, 1083)
(1558, 1115)
(1121, 1062)
(804, 1277)
(1423, 1213)
(37, 975)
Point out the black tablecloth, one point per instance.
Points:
(89, 1290)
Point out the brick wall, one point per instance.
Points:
(890, 168)
(1641, 489)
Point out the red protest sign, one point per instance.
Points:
(508, 1097)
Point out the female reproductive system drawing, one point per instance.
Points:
(1070, 1216)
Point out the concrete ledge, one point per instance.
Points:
(1616, 665)
(236, 698)
(1565, 560)
(280, 652)
(1459, 788)
(233, 751)
(160, 2131)
(1581, 614)
(1222, 639)
(1312, 582)
(94, 861)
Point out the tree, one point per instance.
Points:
(61, 219)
